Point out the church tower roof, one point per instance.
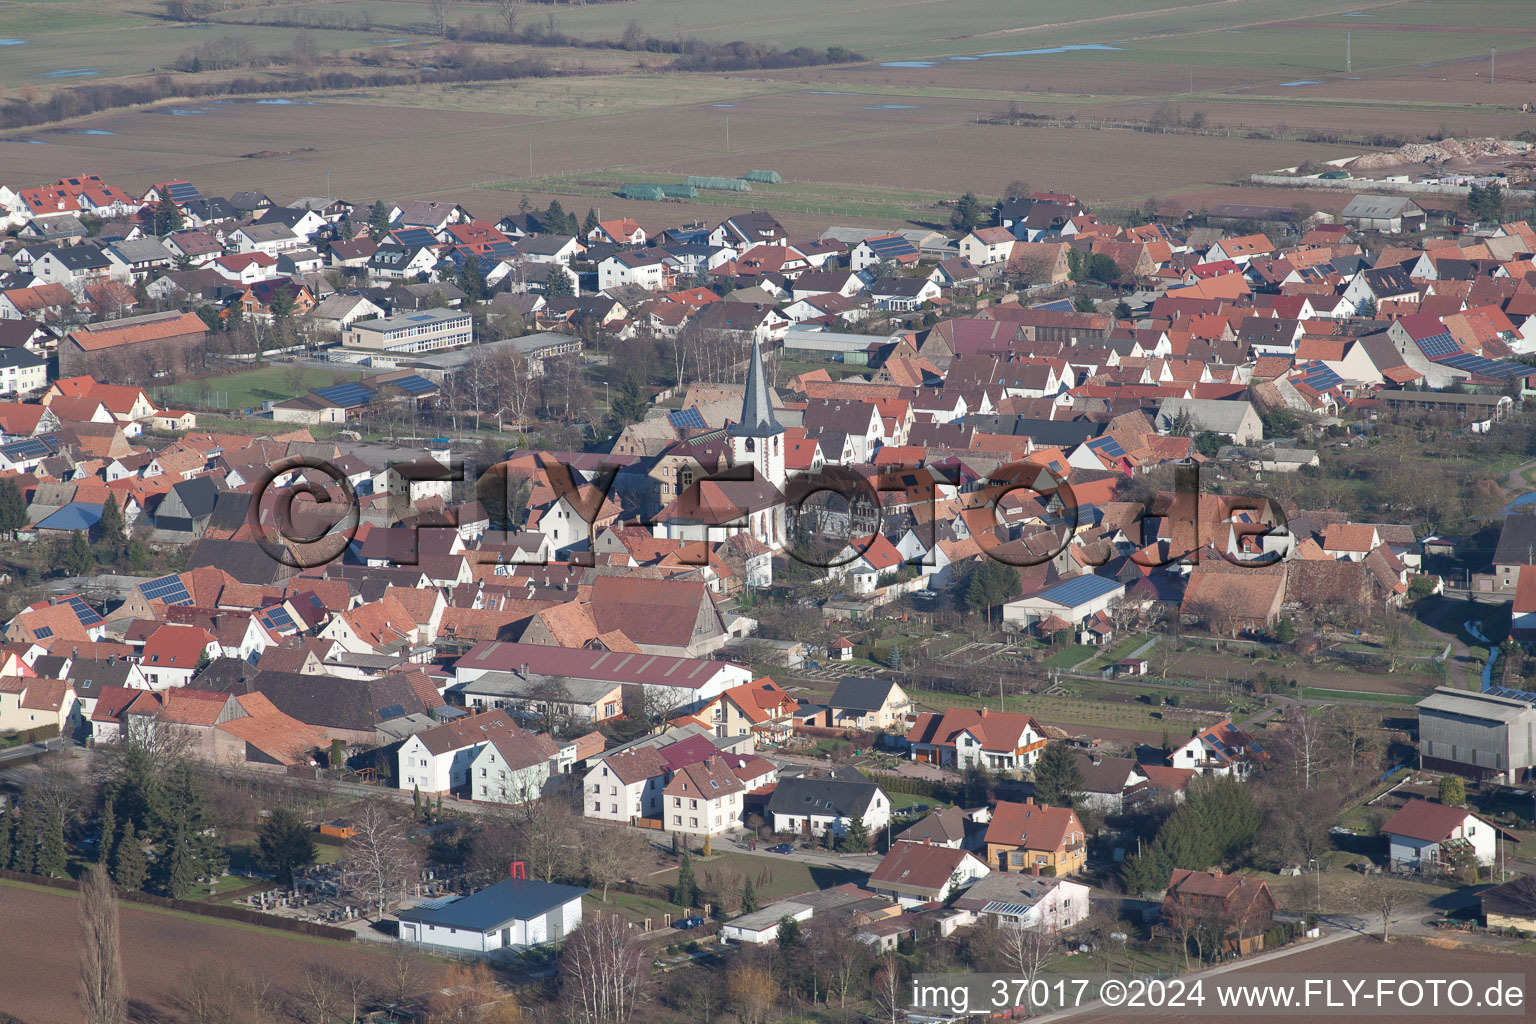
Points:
(757, 418)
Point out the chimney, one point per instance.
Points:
(517, 869)
(983, 712)
(1029, 800)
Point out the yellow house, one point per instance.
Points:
(759, 708)
(29, 702)
(1036, 839)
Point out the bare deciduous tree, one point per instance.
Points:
(753, 992)
(611, 855)
(508, 10)
(103, 997)
(383, 860)
(438, 9)
(1306, 745)
(605, 971)
(888, 989)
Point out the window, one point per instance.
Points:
(597, 806)
(693, 822)
(677, 801)
(613, 808)
(677, 819)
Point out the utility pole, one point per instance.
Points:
(530, 158)
(727, 133)
(1492, 52)
(1349, 64)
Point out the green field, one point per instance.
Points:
(248, 389)
(774, 878)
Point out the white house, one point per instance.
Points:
(625, 787)
(643, 269)
(438, 760)
(916, 873)
(811, 805)
(761, 926)
(513, 766)
(1019, 900)
(515, 913)
(1423, 834)
(703, 799)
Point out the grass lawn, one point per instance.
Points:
(774, 878)
(631, 906)
(247, 389)
(1069, 656)
(1402, 699)
(901, 801)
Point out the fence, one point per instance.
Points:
(320, 931)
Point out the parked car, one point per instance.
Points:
(689, 922)
(782, 848)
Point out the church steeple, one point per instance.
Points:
(757, 439)
(756, 412)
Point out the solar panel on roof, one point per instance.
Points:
(391, 711)
(1107, 445)
(169, 589)
(1321, 378)
(1484, 366)
(184, 192)
(415, 384)
(87, 615)
(346, 394)
(43, 632)
(28, 448)
(687, 419)
(1083, 588)
(1437, 346)
(413, 236)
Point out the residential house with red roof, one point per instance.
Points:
(995, 740)
(172, 654)
(913, 874)
(29, 702)
(1220, 749)
(1243, 906)
(1425, 836)
(1035, 839)
(703, 799)
(760, 708)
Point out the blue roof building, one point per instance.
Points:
(1072, 600)
(512, 914)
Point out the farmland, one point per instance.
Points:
(161, 953)
(872, 141)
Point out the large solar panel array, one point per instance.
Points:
(889, 247)
(1438, 346)
(169, 589)
(687, 419)
(346, 395)
(1082, 588)
(1509, 694)
(27, 448)
(1486, 367)
(1056, 306)
(87, 615)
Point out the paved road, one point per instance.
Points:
(1336, 928)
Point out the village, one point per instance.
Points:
(600, 619)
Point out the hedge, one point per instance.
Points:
(244, 916)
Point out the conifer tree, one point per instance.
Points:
(108, 840)
(128, 863)
(52, 859)
(686, 892)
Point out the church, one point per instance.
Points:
(749, 496)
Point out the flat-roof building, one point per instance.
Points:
(1491, 734)
(427, 330)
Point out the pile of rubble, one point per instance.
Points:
(1436, 153)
